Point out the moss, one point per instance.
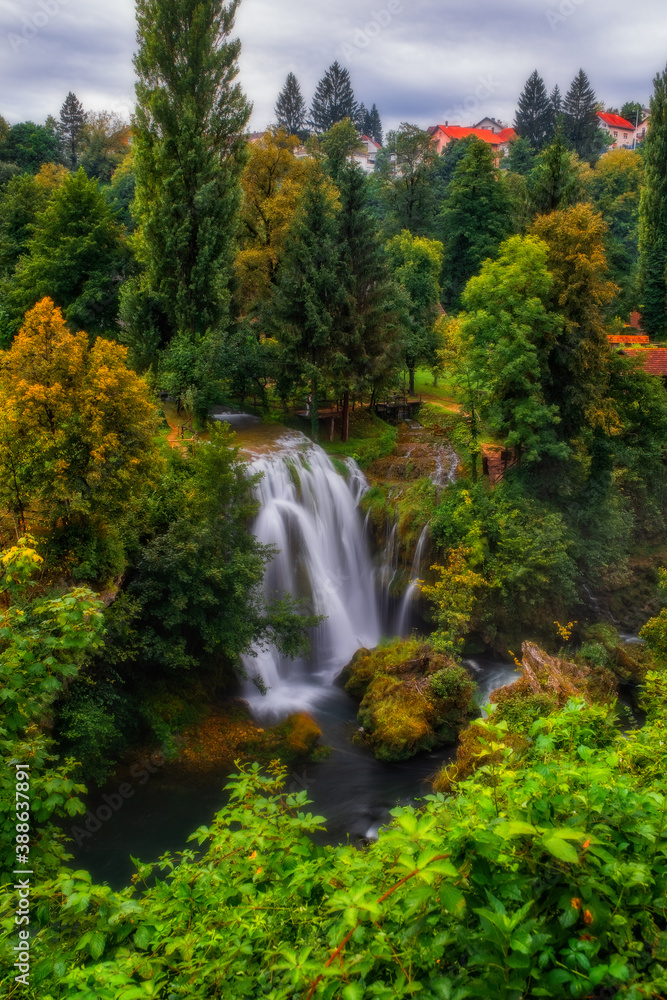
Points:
(341, 468)
(370, 439)
(296, 738)
(412, 698)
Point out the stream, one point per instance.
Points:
(310, 512)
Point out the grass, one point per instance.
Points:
(442, 392)
(370, 439)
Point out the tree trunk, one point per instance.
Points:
(411, 389)
(345, 428)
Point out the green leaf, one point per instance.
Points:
(560, 849)
(96, 944)
(354, 991)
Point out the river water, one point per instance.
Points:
(310, 512)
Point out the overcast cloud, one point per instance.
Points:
(420, 60)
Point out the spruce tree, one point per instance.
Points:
(553, 183)
(653, 215)
(580, 115)
(72, 121)
(475, 219)
(374, 126)
(373, 318)
(291, 108)
(534, 115)
(189, 140)
(307, 310)
(362, 118)
(333, 100)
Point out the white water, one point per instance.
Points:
(310, 513)
(412, 590)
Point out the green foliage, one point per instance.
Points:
(534, 117)
(198, 582)
(553, 182)
(188, 154)
(333, 100)
(653, 213)
(580, 120)
(474, 219)
(77, 255)
(542, 877)
(29, 146)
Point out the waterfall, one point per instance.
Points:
(309, 512)
(404, 613)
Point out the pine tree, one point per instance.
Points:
(475, 218)
(72, 121)
(291, 108)
(653, 215)
(362, 118)
(553, 183)
(581, 122)
(556, 102)
(189, 125)
(374, 126)
(534, 116)
(333, 100)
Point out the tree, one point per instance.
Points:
(272, 182)
(615, 186)
(632, 112)
(24, 198)
(188, 147)
(510, 329)
(416, 264)
(305, 314)
(522, 157)
(29, 146)
(534, 117)
(77, 443)
(104, 142)
(373, 125)
(581, 123)
(77, 254)
(199, 583)
(475, 218)
(653, 215)
(375, 315)
(556, 102)
(291, 108)
(72, 122)
(409, 192)
(333, 100)
(553, 183)
(579, 361)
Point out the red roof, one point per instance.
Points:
(507, 135)
(654, 360)
(615, 121)
(366, 138)
(458, 132)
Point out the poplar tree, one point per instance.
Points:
(653, 215)
(333, 100)
(71, 125)
(291, 108)
(533, 120)
(189, 151)
(580, 113)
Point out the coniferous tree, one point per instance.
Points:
(375, 314)
(307, 310)
(475, 218)
(373, 127)
(333, 100)
(553, 183)
(534, 116)
(580, 117)
(291, 108)
(189, 125)
(362, 118)
(653, 215)
(72, 121)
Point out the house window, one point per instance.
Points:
(615, 135)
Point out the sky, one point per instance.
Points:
(421, 61)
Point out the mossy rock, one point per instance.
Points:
(412, 698)
(296, 738)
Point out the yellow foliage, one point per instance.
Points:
(76, 426)
(453, 597)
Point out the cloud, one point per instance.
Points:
(418, 60)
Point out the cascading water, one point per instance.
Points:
(309, 512)
(405, 610)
